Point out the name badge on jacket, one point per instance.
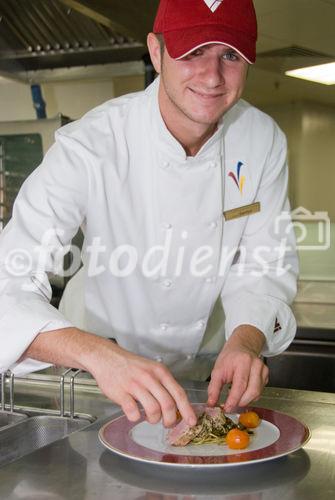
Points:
(244, 211)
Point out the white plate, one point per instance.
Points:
(277, 435)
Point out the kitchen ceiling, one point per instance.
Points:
(49, 34)
(292, 34)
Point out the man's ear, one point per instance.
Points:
(154, 48)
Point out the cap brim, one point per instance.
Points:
(180, 43)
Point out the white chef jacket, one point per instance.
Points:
(120, 175)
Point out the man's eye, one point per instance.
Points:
(231, 56)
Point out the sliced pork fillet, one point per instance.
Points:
(210, 420)
(182, 433)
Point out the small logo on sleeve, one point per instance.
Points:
(213, 4)
(238, 178)
(277, 327)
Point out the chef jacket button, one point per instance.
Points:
(210, 279)
(167, 283)
(164, 326)
(213, 224)
(190, 356)
(167, 225)
(159, 359)
(200, 324)
(166, 164)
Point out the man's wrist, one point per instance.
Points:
(93, 349)
(247, 337)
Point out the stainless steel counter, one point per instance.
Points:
(78, 467)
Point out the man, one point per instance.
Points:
(185, 166)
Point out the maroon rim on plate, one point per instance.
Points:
(116, 436)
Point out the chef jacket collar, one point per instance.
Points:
(168, 145)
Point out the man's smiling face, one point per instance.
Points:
(204, 85)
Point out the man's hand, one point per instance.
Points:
(239, 364)
(123, 377)
(126, 378)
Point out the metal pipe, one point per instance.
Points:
(38, 101)
(9, 18)
(61, 395)
(67, 27)
(72, 393)
(93, 51)
(104, 32)
(35, 26)
(41, 26)
(82, 30)
(3, 381)
(11, 392)
(22, 29)
(3, 214)
(47, 11)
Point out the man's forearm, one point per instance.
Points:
(68, 347)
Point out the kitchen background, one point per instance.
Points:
(80, 53)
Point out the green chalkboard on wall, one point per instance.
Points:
(19, 155)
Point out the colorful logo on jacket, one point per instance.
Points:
(213, 4)
(238, 178)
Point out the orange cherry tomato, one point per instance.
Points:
(249, 419)
(237, 440)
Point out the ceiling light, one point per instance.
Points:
(322, 73)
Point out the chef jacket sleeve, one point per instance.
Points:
(46, 215)
(261, 282)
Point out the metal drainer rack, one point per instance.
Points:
(9, 377)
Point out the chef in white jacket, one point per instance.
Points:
(181, 193)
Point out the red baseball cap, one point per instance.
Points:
(189, 24)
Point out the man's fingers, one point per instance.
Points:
(150, 404)
(129, 407)
(239, 386)
(255, 384)
(265, 375)
(165, 400)
(214, 387)
(178, 394)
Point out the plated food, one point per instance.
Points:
(214, 427)
(276, 435)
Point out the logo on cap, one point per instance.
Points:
(213, 4)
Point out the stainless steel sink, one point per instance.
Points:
(40, 410)
(29, 435)
(10, 418)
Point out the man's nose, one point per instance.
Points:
(212, 72)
